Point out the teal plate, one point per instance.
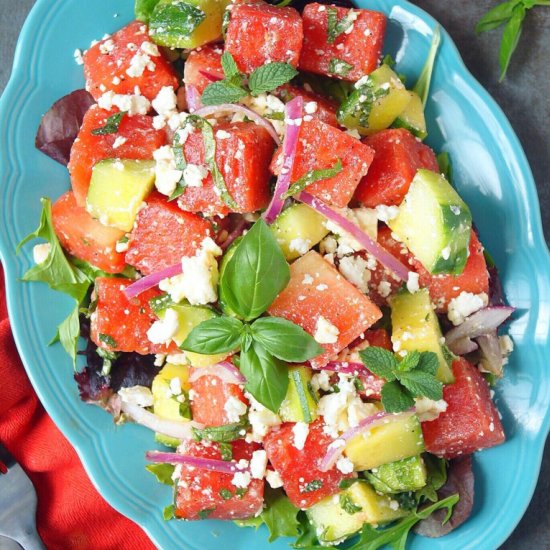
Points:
(491, 173)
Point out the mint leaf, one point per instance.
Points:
(339, 67)
(311, 177)
(266, 376)
(163, 472)
(229, 66)
(256, 273)
(222, 91)
(336, 27)
(428, 363)
(409, 362)
(217, 335)
(395, 398)
(379, 361)
(111, 125)
(285, 340)
(270, 76)
(422, 384)
(170, 21)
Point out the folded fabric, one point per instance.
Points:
(71, 513)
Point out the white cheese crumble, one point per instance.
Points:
(234, 408)
(365, 218)
(79, 60)
(355, 270)
(222, 134)
(464, 305)
(40, 252)
(321, 381)
(384, 288)
(133, 104)
(310, 107)
(301, 246)
(175, 385)
(139, 62)
(344, 465)
(308, 279)
(120, 140)
(300, 431)
(150, 49)
(241, 479)
(325, 331)
(386, 213)
(107, 47)
(163, 330)
(412, 282)
(166, 174)
(194, 175)
(137, 395)
(165, 102)
(274, 479)
(427, 409)
(261, 419)
(258, 464)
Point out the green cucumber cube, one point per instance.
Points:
(401, 476)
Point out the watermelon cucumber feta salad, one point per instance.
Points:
(273, 272)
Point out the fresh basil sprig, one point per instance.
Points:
(232, 88)
(254, 276)
(111, 125)
(510, 14)
(412, 376)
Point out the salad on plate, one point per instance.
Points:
(273, 272)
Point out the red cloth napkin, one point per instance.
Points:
(71, 513)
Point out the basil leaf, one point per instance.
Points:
(221, 434)
(256, 273)
(339, 67)
(311, 177)
(270, 76)
(421, 384)
(266, 376)
(111, 125)
(379, 361)
(285, 340)
(336, 27)
(226, 451)
(422, 86)
(510, 38)
(229, 66)
(217, 335)
(163, 472)
(395, 398)
(222, 91)
(174, 20)
(496, 16)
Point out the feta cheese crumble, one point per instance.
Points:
(234, 409)
(301, 246)
(355, 270)
(344, 465)
(325, 331)
(261, 419)
(274, 479)
(167, 176)
(464, 305)
(194, 175)
(133, 104)
(300, 431)
(258, 464)
(40, 252)
(412, 282)
(163, 330)
(137, 395)
(427, 409)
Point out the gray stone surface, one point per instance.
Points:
(523, 97)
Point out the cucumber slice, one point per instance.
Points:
(375, 104)
(332, 518)
(117, 190)
(434, 223)
(300, 403)
(415, 327)
(412, 117)
(164, 405)
(179, 24)
(301, 224)
(404, 475)
(399, 438)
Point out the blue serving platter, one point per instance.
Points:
(490, 172)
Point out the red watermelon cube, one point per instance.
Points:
(471, 421)
(211, 401)
(397, 157)
(120, 324)
(137, 139)
(202, 67)
(162, 234)
(259, 33)
(303, 482)
(243, 152)
(202, 494)
(85, 237)
(357, 48)
(315, 105)
(125, 60)
(321, 146)
(330, 297)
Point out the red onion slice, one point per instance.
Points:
(193, 97)
(479, 323)
(336, 448)
(235, 234)
(463, 346)
(492, 356)
(225, 371)
(145, 283)
(210, 464)
(293, 120)
(371, 246)
(233, 108)
(171, 428)
(210, 76)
